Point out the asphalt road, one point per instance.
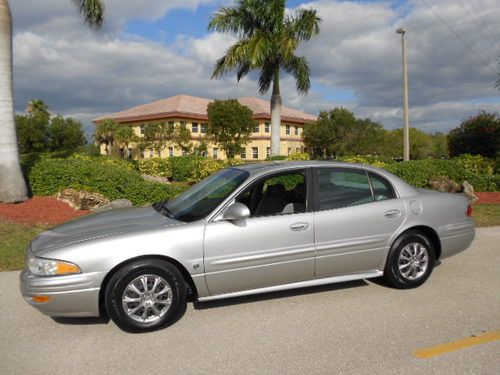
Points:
(350, 328)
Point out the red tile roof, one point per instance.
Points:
(194, 107)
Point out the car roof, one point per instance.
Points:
(256, 169)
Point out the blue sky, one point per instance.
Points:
(158, 48)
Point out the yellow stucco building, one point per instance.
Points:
(191, 112)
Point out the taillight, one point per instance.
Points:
(469, 210)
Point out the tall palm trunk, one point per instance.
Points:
(276, 115)
(12, 185)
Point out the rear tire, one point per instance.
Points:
(410, 261)
(146, 295)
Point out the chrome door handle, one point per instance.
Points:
(299, 227)
(392, 213)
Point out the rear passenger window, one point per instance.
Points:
(342, 188)
(382, 189)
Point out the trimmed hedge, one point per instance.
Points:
(477, 170)
(113, 178)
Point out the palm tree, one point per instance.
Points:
(12, 184)
(38, 107)
(268, 39)
(105, 133)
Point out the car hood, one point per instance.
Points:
(105, 224)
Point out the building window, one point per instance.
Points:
(170, 151)
(268, 152)
(243, 154)
(215, 152)
(255, 152)
(194, 127)
(287, 129)
(143, 129)
(289, 150)
(256, 128)
(142, 154)
(171, 123)
(203, 128)
(296, 130)
(266, 127)
(183, 124)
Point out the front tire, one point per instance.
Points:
(410, 261)
(146, 295)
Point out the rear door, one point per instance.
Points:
(356, 214)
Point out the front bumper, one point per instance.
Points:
(70, 295)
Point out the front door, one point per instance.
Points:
(274, 246)
(357, 213)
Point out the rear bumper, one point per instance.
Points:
(455, 238)
(69, 296)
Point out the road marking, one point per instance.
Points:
(456, 345)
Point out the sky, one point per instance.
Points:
(153, 49)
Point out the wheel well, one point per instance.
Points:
(185, 274)
(433, 236)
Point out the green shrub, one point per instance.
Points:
(370, 160)
(276, 158)
(299, 156)
(155, 167)
(419, 172)
(113, 178)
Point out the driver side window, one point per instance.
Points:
(279, 194)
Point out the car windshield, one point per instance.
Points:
(197, 202)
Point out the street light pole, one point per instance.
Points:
(406, 116)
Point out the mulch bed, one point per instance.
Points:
(485, 198)
(39, 210)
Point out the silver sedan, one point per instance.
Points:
(247, 229)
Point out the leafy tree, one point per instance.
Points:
(268, 39)
(124, 136)
(105, 133)
(157, 135)
(439, 145)
(478, 135)
(339, 133)
(230, 124)
(182, 138)
(12, 184)
(32, 133)
(421, 144)
(65, 134)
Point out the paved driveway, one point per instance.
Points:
(352, 328)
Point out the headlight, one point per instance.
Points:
(50, 267)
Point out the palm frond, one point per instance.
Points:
(303, 24)
(266, 76)
(299, 68)
(92, 12)
(238, 20)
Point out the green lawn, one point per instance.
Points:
(15, 238)
(487, 215)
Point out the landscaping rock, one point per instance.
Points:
(444, 184)
(161, 180)
(82, 200)
(119, 203)
(468, 191)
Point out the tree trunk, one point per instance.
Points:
(12, 185)
(276, 115)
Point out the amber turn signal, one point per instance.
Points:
(39, 298)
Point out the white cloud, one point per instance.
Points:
(78, 71)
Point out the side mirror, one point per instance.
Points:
(236, 211)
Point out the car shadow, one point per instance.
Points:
(81, 321)
(278, 295)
